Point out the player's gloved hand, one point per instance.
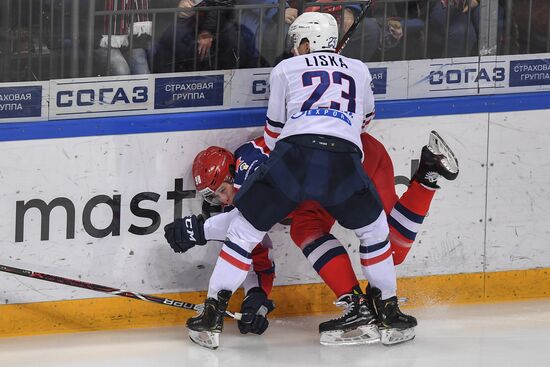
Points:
(184, 233)
(255, 308)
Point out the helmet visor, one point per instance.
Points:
(210, 196)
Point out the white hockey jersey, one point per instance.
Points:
(319, 93)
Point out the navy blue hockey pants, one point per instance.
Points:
(310, 167)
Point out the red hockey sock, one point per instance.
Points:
(406, 218)
(417, 198)
(338, 274)
(331, 261)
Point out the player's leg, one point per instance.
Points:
(361, 213)
(406, 217)
(261, 204)
(406, 214)
(436, 160)
(310, 231)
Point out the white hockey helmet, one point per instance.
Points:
(320, 29)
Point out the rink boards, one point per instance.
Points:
(87, 199)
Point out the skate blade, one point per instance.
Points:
(396, 336)
(367, 334)
(437, 145)
(205, 339)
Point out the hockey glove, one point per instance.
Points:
(255, 308)
(184, 233)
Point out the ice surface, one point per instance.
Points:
(506, 334)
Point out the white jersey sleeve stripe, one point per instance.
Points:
(270, 138)
(274, 124)
(368, 118)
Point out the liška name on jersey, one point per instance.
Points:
(325, 60)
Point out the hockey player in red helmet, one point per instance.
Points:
(217, 176)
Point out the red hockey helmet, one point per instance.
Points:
(212, 167)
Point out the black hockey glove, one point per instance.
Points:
(184, 233)
(255, 308)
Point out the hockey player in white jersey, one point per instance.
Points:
(320, 102)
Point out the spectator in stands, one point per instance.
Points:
(259, 28)
(533, 37)
(380, 29)
(204, 39)
(116, 57)
(460, 18)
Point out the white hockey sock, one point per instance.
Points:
(235, 256)
(231, 269)
(376, 256)
(382, 276)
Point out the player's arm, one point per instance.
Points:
(276, 108)
(368, 106)
(215, 228)
(262, 273)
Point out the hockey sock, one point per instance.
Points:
(378, 268)
(235, 256)
(406, 218)
(376, 256)
(231, 269)
(331, 261)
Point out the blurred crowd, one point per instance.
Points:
(41, 38)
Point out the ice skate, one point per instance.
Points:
(355, 326)
(436, 160)
(394, 326)
(205, 328)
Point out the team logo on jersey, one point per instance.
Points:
(241, 165)
(325, 112)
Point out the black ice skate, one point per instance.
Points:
(355, 326)
(205, 329)
(436, 160)
(394, 326)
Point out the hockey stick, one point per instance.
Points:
(110, 290)
(344, 40)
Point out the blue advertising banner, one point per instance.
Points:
(529, 72)
(191, 91)
(379, 80)
(20, 102)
